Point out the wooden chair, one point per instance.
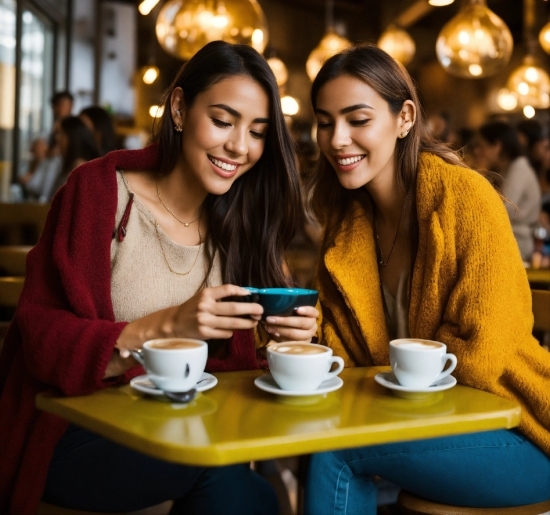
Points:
(410, 504)
(10, 289)
(541, 309)
(13, 259)
(22, 223)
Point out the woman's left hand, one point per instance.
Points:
(299, 328)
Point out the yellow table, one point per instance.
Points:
(539, 276)
(236, 422)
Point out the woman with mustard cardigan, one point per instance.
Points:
(417, 245)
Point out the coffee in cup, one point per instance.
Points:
(418, 363)
(173, 364)
(302, 367)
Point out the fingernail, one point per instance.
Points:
(124, 353)
(270, 320)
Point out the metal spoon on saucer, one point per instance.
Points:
(184, 397)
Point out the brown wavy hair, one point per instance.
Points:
(327, 199)
(253, 223)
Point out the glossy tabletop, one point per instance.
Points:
(236, 422)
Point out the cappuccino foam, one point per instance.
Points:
(300, 349)
(174, 344)
(417, 345)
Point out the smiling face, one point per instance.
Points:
(223, 132)
(357, 132)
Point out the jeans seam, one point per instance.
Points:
(336, 492)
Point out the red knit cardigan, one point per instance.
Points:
(63, 332)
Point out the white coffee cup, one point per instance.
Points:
(419, 363)
(173, 364)
(302, 367)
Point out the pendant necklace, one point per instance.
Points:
(185, 224)
(384, 262)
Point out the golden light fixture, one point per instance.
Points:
(531, 84)
(398, 43)
(507, 99)
(330, 45)
(185, 26)
(544, 38)
(150, 74)
(475, 43)
(440, 3)
(147, 6)
(289, 105)
(279, 70)
(156, 111)
(529, 111)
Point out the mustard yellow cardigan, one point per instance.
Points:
(469, 290)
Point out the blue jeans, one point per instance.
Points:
(489, 469)
(88, 472)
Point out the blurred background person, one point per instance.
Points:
(76, 146)
(439, 125)
(497, 148)
(39, 152)
(62, 106)
(99, 121)
(533, 137)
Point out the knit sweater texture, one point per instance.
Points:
(64, 331)
(469, 290)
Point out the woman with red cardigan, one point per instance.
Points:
(143, 244)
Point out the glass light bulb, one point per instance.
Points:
(531, 84)
(185, 26)
(156, 111)
(507, 99)
(398, 43)
(544, 38)
(440, 3)
(529, 111)
(150, 74)
(289, 105)
(330, 45)
(475, 43)
(279, 70)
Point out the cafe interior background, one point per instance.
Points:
(472, 60)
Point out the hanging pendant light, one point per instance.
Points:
(529, 81)
(475, 43)
(330, 45)
(544, 38)
(185, 26)
(279, 69)
(398, 43)
(531, 84)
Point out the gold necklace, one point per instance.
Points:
(185, 224)
(384, 262)
(164, 254)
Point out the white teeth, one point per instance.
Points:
(349, 160)
(222, 165)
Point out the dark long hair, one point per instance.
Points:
(103, 127)
(330, 201)
(81, 145)
(253, 223)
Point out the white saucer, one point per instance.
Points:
(388, 380)
(143, 384)
(268, 384)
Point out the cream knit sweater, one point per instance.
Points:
(141, 281)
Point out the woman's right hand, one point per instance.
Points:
(204, 316)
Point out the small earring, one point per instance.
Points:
(403, 134)
(178, 127)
